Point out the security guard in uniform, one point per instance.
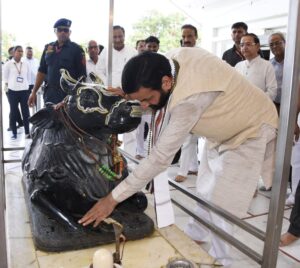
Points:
(57, 55)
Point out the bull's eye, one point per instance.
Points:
(127, 108)
(89, 100)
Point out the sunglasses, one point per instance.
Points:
(66, 30)
(93, 47)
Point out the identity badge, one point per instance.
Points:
(20, 79)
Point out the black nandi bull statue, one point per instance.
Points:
(73, 161)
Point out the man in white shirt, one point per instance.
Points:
(18, 116)
(257, 70)
(16, 76)
(198, 93)
(93, 63)
(277, 47)
(33, 64)
(188, 164)
(121, 54)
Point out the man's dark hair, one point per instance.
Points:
(10, 49)
(254, 36)
(152, 39)
(240, 25)
(138, 41)
(280, 34)
(256, 41)
(145, 70)
(190, 26)
(118, 27)
(28, 47)
(17, 47)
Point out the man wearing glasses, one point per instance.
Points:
(277, 47)
(57, 55)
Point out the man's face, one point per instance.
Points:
(189, 37)
(93, 49)
(249, 48)
(152, 46)
(63, 34)
(29, 53)
(18, 54)
(141, 46)
(118, 39)
(153, 98)
(237, 34)
(277, 45)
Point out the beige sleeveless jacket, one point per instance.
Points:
(237, 113)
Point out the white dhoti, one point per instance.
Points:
(188, 157)
(229, 180)
(129, 142)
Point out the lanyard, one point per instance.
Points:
(19, 70)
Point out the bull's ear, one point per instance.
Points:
(67, 83)
(95, 78)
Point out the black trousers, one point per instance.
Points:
(18, 117)
(294, 228)
(16, 98)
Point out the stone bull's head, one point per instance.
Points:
(92, 107)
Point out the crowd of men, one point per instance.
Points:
(205, 92)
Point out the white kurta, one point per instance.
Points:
(261, 73)
(33, 64)
(91, 66)
(119, 59)
(189, 158)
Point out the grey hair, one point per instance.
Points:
(282, 35)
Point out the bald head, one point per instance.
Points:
(93, 50)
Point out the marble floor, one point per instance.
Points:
(22, 253)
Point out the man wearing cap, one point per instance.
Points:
(57, 55)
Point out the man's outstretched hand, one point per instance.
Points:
(100, 211)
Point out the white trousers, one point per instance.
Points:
(188, 157)
(140, 148)
(129, 142)
(229, 180)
